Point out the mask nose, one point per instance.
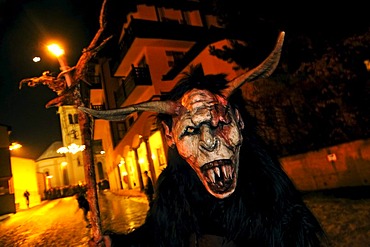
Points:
(207, 139)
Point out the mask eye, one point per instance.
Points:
(190, 131)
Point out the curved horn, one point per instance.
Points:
(264, 70)
(167, 107)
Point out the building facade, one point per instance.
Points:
(157, 44)
(7, 199)
(62, 165)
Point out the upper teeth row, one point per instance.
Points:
(227, 172)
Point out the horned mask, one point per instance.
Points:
(206, 130)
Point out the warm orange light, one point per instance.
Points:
(331, 157)
(367, 64)
(73, 148)
(14, 146)
(56, 50)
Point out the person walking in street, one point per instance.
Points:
(84, 205)
(148, 188)
(26, 195)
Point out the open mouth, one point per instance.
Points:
(220, 175)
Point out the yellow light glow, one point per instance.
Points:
(14, 146)
(141, 161)
(63, 163)
(72, 148)
(62, 150)
(56, 50)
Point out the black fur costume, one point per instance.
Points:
(265, 209)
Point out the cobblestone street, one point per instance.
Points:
(60, 223)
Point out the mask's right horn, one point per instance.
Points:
(264, 70)
(167, 107)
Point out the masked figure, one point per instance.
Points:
(220, 187)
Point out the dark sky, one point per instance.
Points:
(26, 27)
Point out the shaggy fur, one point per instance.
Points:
(265, 209)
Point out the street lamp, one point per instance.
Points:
(72, 148)
(14, 146)
(59, 53)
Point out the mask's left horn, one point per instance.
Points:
(166, 107)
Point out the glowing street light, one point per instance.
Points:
(36, 59)
(14, 146)
(73, 148)
(59, 53)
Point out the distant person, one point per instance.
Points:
(26, 195)
(148, 188)
(84, 205)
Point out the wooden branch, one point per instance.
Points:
(71, 95)
(94, 46)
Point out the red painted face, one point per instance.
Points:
(207, 134)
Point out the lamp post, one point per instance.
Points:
(59, 53)
(88, 158)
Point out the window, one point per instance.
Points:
(79, 163)
(73, 119)
(121, 127)
(70, 119)
(174, 57)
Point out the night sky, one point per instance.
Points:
(26, 27)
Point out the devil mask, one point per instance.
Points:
(205, 129)
(207, 135)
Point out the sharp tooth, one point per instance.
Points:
(224, 171)
(229, 172)
(217, 170)
(211, 175)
